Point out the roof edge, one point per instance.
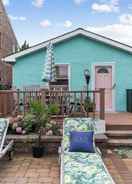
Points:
(65, 36)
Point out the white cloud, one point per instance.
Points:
(78, 2)
(19, 18)
(101, 7)
(111, 6)
(45, 23)
(118, 32)
(38, 3)
(6, 2)
(67, 24)
(115, 2)
(126, 19)
(121, 32)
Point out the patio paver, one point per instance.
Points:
(24, 169)
(118, 168)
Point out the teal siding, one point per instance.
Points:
(80, 52)
(28, 70)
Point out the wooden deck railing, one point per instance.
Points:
(70, 102)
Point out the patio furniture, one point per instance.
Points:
(80, 167)
(5, 148)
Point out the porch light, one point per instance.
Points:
(87, 76)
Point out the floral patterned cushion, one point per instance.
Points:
(3, 125)
(75, 124)
(85, 168)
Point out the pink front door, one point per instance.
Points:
(103, 79)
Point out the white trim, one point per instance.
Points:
(79, 31)
(4, 133)
(7, 148)
(69, 73)
(112, 181)
(112, 64)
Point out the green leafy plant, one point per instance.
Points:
(88, 105)
(39, 117)
(55, 128)
(53, 109)
(3, 87)
(29, 123)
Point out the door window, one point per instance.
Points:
(103, 70)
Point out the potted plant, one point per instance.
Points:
(38, 121)
(3, 87)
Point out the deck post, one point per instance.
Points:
(43, 96)
(102, 104)
(17, 101)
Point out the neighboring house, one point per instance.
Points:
(109, 62)
(5, 75)
(8, 42)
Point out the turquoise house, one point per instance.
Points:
(109, 63)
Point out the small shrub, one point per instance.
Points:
(29, 123)
(88, 105)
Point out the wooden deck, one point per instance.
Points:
(118, 118)
(119, 128)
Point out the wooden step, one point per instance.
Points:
(119, 133)
(119, 126)
(120, 142)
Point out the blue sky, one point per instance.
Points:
(39, 20)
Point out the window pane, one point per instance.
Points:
(62, 71)
(103, 70)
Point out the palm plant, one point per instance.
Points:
(39, 116)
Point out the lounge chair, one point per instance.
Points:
(78, 167)
(5, 147)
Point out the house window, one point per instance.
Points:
(103, 70)
(62, 78)
(62, 71)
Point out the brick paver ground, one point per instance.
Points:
(128, 163)
(24, 169)
(119, 169)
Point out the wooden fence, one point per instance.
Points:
(70, 102)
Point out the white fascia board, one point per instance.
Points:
(12, 58)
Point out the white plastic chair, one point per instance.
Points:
(5, 148)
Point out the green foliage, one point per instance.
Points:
(39, 117)
(3, 87)
(88, 104)
(55, 128)
(53, 109)
(24, 46)
(124, 152)
(40, 114)
(29, 122)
